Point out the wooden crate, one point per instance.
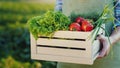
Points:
(66, 46)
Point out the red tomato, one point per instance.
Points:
(75, 27)
(86, 26)
(79, 20)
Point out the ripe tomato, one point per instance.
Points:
(75, 27)
(79, 20)
(86, 26)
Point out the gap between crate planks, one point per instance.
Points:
(66, 46)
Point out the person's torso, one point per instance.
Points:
(84, 7)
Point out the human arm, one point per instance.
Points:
(114, 37)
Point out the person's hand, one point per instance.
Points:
(104, 47)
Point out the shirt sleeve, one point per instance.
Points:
(58, 6)
(117, 13)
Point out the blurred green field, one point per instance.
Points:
(14, 34)
(11, 12)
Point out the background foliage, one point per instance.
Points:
(14, 34)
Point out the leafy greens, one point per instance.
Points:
(48, 23)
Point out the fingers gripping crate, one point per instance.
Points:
(66, 46)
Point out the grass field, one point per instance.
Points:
(11, 12)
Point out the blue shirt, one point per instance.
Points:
(117, 13)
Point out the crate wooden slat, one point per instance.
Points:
(33, 44)
(64, 59)
(71, 34)
(61, 52)
(60, 42)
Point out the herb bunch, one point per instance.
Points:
(48, 23)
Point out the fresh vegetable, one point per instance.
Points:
(81, 24)
(79, 20)
(75, 27)
(86, 26)
(48, 23)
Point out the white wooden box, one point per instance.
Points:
(66, 46)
